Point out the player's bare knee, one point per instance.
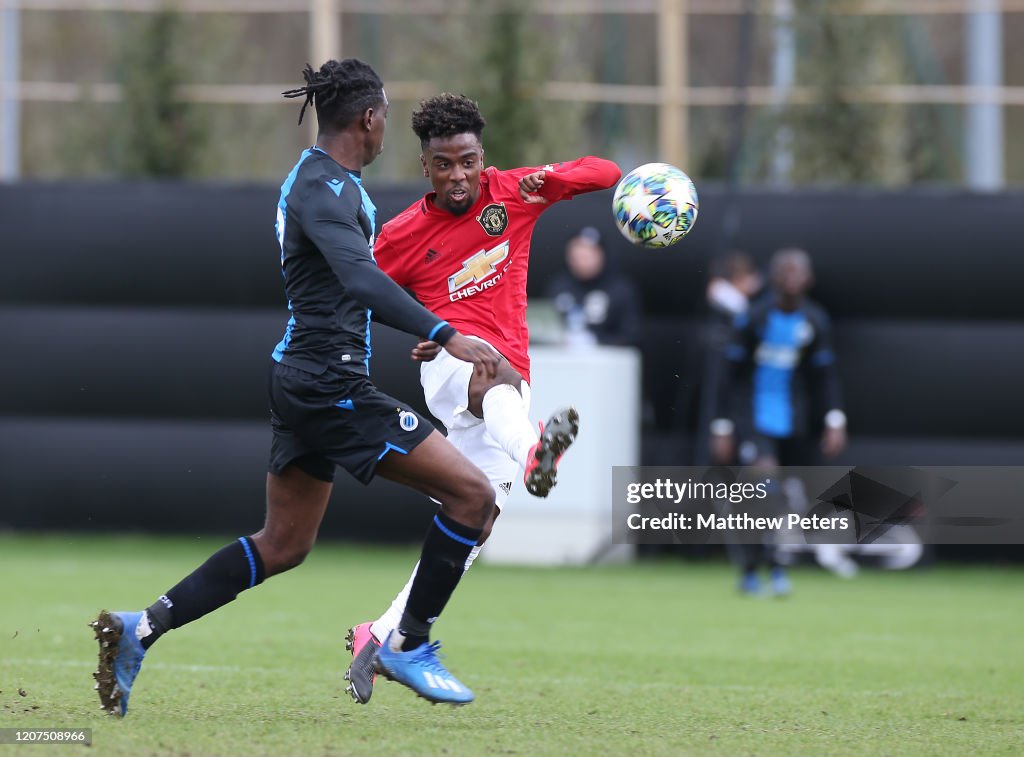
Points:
(483, 493)
(479, 386)
(473, 501)
(281, 556)
(495, 511)
(295, 555)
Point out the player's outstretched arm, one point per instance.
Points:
(561, 181)
(331, 221)
(372, 287)
(333, 226)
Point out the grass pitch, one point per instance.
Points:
(650, 659)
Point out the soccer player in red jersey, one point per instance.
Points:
(463, 250)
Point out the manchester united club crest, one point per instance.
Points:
(494, 219)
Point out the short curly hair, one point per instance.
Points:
(446, 115)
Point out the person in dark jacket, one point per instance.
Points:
(597, 302)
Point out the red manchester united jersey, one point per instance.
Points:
(471, 269)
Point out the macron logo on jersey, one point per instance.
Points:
(335, 186)
(477, 271)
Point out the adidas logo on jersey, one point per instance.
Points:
(431, 254)
(506, 486)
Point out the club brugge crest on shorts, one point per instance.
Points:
(408, 421)
(494, 219)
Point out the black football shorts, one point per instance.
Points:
(322, 421)
(796, 450)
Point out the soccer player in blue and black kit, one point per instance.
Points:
(781, 366)
(326, 412)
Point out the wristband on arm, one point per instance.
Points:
(441, 333)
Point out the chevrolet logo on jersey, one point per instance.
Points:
(477, 270)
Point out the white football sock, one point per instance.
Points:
(507, 421)
(388, 622)
(472, 556)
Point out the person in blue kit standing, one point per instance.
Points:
(780, 374)
(325, 411)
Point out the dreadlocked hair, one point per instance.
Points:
(339, 91)
(446, 115)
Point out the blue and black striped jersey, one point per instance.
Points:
(325, 228)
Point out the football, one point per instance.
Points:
(655, 205)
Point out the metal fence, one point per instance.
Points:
(670, 92)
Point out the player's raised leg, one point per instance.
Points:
(437, 469)
(503, 403)
(296, 502)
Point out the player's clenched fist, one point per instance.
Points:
(529, 185)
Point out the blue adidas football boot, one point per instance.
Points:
(750, 584)
(781, 586)
(421, 670)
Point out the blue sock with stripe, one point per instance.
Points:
(442, 564)
(220, 579)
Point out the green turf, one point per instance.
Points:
(641, 660)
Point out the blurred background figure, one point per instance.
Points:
(779, 395)
(734, 285)
(597, 302)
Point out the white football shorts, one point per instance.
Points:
(445, 381)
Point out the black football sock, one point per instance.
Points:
(751, 557)
(442, 564)
(220, 579)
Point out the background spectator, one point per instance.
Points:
(597, 302)
(734, 284)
